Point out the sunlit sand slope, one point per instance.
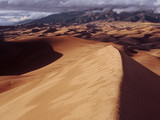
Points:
(38, 56)
(87, 89)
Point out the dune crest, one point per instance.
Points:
(85, 90)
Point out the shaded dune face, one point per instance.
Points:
(139, 98)
(17, 58)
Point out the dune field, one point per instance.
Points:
(68, 78)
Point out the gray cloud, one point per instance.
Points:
(16, 10)
(8, 17)
(63, 5)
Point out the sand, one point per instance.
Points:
(139, 98)
(89, 81)
(84, 90)
(149, 61)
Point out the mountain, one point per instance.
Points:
(79, 17)
(25, 21)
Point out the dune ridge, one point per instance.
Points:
(72, 49)
(85, 90)
(139, 98)
(91, 81)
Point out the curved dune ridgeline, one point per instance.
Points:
(21, 60)
(86, 88)
(17, 58)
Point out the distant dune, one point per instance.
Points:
(87, 81)
(149, 61)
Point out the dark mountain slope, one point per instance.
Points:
(79, 17)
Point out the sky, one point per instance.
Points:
(17, 10)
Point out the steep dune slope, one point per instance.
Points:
(20, 57)
(139, 98)
(87, 89)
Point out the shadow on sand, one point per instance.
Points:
(17, 58)
(140, 92)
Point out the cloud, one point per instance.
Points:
(18, 10)
(133, 9)
(63, 5)
(8, 17)
(128, 9)
(157, 3)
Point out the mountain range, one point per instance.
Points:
(80, 17)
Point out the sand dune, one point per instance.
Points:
(84, 90)
(25, 56)
(149, 61)
(20, 57)
(86, 82)
(139, 98)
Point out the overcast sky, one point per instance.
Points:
(17, 10)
